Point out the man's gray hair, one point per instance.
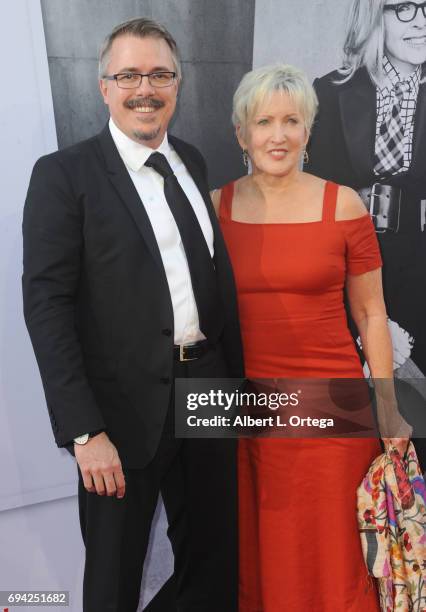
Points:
(258, 84)
(141, 28)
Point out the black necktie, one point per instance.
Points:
(200, 263)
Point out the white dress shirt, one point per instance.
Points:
(150, 187)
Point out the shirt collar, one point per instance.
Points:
(134, 154)
(394, 77)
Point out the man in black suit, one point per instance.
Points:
(127, 285)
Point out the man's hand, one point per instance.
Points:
(100, 466)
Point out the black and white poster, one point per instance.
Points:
(367, 59)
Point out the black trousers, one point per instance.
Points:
(197, 480)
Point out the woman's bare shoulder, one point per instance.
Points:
(215, 196)
(313, 187)
(312, 182)
(216, 193)
(349, 204)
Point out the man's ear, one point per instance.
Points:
(103, 89)
(177, 85)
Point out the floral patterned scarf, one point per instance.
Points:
(392, 525)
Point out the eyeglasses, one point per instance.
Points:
(132, 80)
(406, 11)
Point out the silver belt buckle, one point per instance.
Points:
(182, 348)
(382, 209)
(373, 215)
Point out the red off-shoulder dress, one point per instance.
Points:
(299, 542)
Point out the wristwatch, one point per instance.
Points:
(84, 438)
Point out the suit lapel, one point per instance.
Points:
(125, 188)
(419, 144)
(200, 181)
(357, 101)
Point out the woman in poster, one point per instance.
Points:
(370, 134)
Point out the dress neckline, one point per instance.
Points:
(328, 209)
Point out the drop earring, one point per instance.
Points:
(246, 158)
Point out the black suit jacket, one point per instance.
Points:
(341, 146)
(96, 299)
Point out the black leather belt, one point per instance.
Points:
(189, 352)
(384, 205)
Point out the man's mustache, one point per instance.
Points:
(150, 102)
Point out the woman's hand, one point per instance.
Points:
(394, 429)
(401, 442)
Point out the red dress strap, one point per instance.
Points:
(225, 205)
(329, 202)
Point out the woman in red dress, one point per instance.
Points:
(295, 242)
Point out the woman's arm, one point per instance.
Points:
(368, 311)
(367, 306)
(365, 293)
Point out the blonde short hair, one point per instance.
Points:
(258, 84)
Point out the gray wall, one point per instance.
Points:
(308, 34)
(216, 44)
